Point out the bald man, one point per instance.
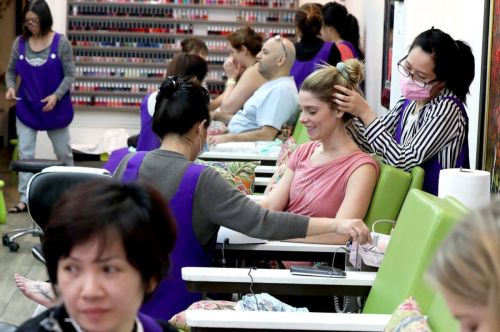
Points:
(270, 106)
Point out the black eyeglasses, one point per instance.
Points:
(406, 73)
(278, 38)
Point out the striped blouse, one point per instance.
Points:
(440, 129)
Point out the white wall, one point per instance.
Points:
(462, 19)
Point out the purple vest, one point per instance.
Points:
(301, 69)
(171, 295)
(149, 324)
(147, 140)
(38, 83)
(432, 165)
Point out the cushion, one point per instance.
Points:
(179, 320)
(286, 151)
(407, 318)
(240, 174)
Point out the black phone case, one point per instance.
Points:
(317, 271)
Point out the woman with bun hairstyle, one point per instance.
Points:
(341, 27)
(311, 50)
(428, 126)
(201, 199)
(329, 176)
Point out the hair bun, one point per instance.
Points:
(169, 85)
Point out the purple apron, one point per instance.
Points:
(149, 324)
(301, 69)
(351, 47)
(147, 140)
(171, 295)
(38, 83)
(432, 165)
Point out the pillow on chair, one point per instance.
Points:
(179, 320)
(240, 174)
(408, 318)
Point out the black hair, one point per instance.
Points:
(308, 20)
(454, 61)
(336, 15)
(188, 66)
(137, 213)
(42, 10)
(193, 45)
(179, 105)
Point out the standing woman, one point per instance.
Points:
(428, 126)
(311, 50)
(43, 59)
(342, 28)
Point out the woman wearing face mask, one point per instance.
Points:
(428, 126)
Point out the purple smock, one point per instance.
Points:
(301, 69)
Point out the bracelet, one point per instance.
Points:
(230, 81)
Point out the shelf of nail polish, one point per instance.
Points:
(155, 8)
(122, 47)
(148, 24)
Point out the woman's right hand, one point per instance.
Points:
(355, 228)
(231, 68)
(10, 94)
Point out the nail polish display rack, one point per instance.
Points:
(122, 47)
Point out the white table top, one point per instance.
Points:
(314, 321)
(285, 246)
(236, 156)
(272, 276)
(266, 169)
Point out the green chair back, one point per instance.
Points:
(422, 224)
(390, 192)
(439, 316)
(300, 133)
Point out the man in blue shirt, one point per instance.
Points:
(273, 104)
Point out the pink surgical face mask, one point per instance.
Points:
(412, 91)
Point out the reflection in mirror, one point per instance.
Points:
(387, 53)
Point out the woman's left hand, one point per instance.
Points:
(351, 102)
(51, 103)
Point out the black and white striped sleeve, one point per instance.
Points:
(441, 131)
(356, 129)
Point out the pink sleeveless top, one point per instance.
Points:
(318, 190)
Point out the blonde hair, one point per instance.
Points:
(321, 82)
(468, 263)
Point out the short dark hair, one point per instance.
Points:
(42, 10)
(180, 104)
(453, 60)
(308, 20)
(194, 45)
(188, 66)
(137, 212)
(247, 37)
(336, 15)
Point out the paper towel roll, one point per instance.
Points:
(470, 187)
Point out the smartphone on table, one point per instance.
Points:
(317, 271)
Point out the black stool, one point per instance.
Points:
(31, 166)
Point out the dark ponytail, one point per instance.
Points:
(454, 61)
(179, 105)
